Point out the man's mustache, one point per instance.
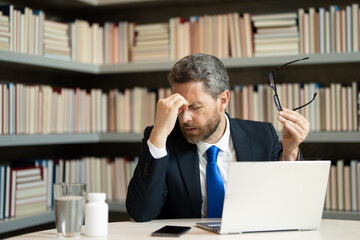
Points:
(189, 125)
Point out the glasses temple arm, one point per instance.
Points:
(306, 103)
(297, 60)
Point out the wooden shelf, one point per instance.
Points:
(13, 224)
(51, 63)
(24, 140)
(330, 137)
(344, 215)
(45, 62)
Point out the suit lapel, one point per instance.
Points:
(243, 148)
(188, 161)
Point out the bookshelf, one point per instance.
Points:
(153, 74)
(14, 224)
(253, 62)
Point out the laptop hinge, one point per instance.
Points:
(307, 228)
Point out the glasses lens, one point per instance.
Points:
(272, 82)
(277, 103)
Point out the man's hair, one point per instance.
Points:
(201, 68)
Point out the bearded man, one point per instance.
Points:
(170, 180)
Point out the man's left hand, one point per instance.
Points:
(295, 129)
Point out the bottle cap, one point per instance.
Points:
(96, 196)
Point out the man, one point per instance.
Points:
(170, 178)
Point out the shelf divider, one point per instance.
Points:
(46, 62)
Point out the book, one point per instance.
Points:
(2, 191)
(275, 23)
(265, 17)
(354, 184)
(334, 187)
(340, 184)
(31, 208)
(347, 188)
(355, 26)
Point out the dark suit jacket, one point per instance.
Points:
(169, 187)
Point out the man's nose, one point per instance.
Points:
(185, 116)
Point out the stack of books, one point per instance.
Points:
(56, 40)
(28, 191)
(276, 34)
(151, 42)
(21, 29)
(4, 32)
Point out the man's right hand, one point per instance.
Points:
(167, 111)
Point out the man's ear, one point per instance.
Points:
(224, 98)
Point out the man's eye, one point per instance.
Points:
(194, 107)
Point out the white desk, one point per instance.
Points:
(330, 230)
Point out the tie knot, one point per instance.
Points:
(212, 153)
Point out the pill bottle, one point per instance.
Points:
(96, 215)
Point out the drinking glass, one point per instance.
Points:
(69, 208)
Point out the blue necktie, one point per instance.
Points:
(214, 184)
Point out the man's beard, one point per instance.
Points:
(204, 132)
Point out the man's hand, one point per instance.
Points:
(167, 111)
(295, 129)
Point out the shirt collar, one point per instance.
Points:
(222, 144)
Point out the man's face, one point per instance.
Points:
(201, 119)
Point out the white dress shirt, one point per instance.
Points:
(226, 154)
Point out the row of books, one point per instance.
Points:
(111, 176)
(41, 109)
(25, 30)
(329, 30)
(335, 108)
(28, 189)
(225, 35)
(21, 30)
(343, 191)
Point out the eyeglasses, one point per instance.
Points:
(273, 86)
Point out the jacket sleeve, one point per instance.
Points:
(277, 149)
(147, 189)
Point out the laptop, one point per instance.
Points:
(272, 196)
